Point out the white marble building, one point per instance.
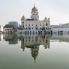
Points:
(33, 24)
(60, 29)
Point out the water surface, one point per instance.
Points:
(34, 51)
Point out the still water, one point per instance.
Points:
(34, 51)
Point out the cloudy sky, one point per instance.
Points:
(12, 10)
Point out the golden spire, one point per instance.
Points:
(34, 8)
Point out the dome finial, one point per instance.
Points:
(34, 8)
(23, 17)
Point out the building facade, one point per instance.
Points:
(33, 42)
(11, 27)
(60, 29)
(33, 24)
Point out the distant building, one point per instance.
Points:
(33, 24)
(14, 23)
(60, 29)
(11, 27)
(11, 38)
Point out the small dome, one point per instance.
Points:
(23, 18)
(34, 9)
(34, 55)
(45, 18)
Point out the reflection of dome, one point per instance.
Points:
(34, 55)
(34, 52)
(23, 18)
(34, 9)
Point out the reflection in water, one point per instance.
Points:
(11, 38)
(29, 41)
(45, 54)
(0, 37)
(34, 41)
(62, 38)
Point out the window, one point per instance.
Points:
(36, 25)
(33, 32)
(25, 32)
(30, 31)
(46, 24)
(32, 28)
(43, 24)
(29, 24)
(29, 28)
(23, 22)
(26, 24)
(40, 27)
(26, 28)
(46, 28)
(41, 31)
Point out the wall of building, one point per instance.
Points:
(60, 29)
(8, 30)
(35, 24)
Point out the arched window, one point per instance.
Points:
(30, 31)
(43, 25)
(32, 24)
(26, 24)
(23, 22)
(29, 28)
(46, 24)
(36, 25)
(29, 24)
(26, 28)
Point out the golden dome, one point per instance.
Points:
(34, 9)
(23, 18)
